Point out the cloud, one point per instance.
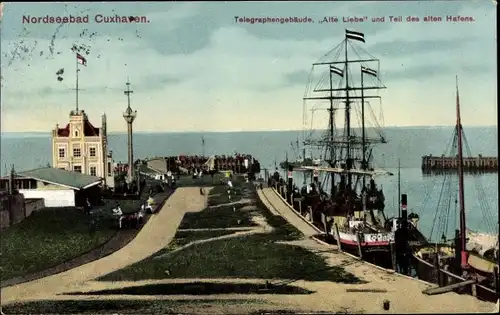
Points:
(193, 68)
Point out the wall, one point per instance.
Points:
(4, 219)
(20, 208)
(52, 198)
(31, 205)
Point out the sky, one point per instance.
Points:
(192, 67)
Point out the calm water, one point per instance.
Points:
(405, 144)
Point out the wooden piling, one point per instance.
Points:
(474, 290)
(360, 250)
(497, 280)
(438, 271)
(393, 255)
(323, 220)
(337, 236)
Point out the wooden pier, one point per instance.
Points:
(445, 163)
(237, 163)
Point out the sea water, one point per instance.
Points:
(406, 145)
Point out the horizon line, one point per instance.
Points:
(241, 131)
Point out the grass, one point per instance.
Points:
(116, 306)
(47, 238)
(220, 216)
(199, 288)
(251, 256)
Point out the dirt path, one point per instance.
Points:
(146, 243)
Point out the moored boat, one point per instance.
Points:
(346, 203)
(470, 255)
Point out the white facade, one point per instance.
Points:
(52, 197)
(81, 147)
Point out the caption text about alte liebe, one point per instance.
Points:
(354, 19)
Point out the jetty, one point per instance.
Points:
(471, 164)
(237, 163)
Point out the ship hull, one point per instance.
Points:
(377, 254)
(428, 272)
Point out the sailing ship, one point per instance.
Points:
(300, 161)
(347, 204)
(471, 255)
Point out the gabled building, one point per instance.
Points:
(57, 187)
(81, 147)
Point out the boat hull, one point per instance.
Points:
(428, 272)
(375, 247)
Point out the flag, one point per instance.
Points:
(336, 70)
(355, 35)
(81, 60)
(369, 71)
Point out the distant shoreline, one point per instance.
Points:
(45, 134)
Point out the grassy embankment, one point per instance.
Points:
(258, 255)
(52, 236)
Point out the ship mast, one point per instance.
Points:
(461, 185)
(332, 153)
(349, 141)
(348, 115)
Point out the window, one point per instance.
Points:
(92, 151)
(62, 153)
(76, 133)
(77, 168)
(109, 168)
(77, 152)
(93, 171)
(62, 168)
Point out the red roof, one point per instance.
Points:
(88, 129)
(63, 132)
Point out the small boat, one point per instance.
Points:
(470, 255)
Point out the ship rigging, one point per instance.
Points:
(347, 149)
(347, 199)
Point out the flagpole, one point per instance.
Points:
(363, 135)
(77, 70)
(203, 146)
